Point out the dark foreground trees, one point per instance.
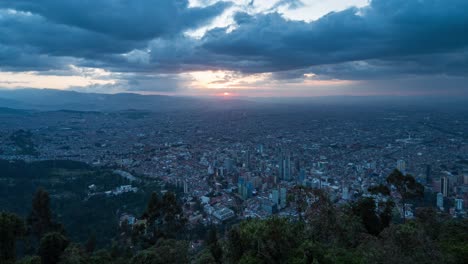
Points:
(325, 233)
(11, 229)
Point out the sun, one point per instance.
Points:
(226, 94)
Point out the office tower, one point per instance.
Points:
(260, 148)
(401, 166)
(459, 204)
(285, 167)
(186, 189)
(301, 176)
(250, 189)
(247, 159)
(345, 194)
(283, 197)
(275, 197)
(440, 201)
(228, 164)
(444, 186)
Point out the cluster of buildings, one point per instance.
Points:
(243, 163)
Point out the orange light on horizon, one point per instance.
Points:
(226, 94)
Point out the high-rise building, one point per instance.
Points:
(345, 194)
(444, 186)
(260, 148)
(285, 167)
(459, 204)
(440, 201)
(301, 177)
(401, 166)
(283, 197)
(275, 197)
(186, 189)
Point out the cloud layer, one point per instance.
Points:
(144, 42)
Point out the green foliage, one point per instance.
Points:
(270, 241)
(204, 257)
(51, 247)
(454, 241)
(212, 243)
(359, 233)
(406, 185)
(67, 184)
(166, 251)
(74, 254)
(164, 217)
(40, 219)
(406, 243)
(375, 219)
(30, 260)
(11, 228)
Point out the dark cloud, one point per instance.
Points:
(386, 30)
(48, 34)
(33, 33)
(387, 39)
(124, 19)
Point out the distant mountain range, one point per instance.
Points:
(52, 100)
(49, 100)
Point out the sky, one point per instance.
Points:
(257, 48)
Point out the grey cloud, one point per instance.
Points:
(387, 39)
(124, 19)
(386, 30)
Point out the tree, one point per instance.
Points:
(74, 254)
(205, 257)
(453, 240)
(90, 244)
(51, 247)
(406, 186)
(30, 260)
(40, 219)
(165, 251)
(321, 217)
(11, 228)
(301, 197)
(406, 243)
(375, 219)
(164, 216)
(213, 245)
(153, 208)
(234, 245)
(268, 241)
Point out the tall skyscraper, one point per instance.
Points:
(186, 189)
(301, 177)
(275, 197)
(401, 166)
(459, 204)
(440, 201)
(345, 194)
(285, 167)
(444, 186)
(283, 197)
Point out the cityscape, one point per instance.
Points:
(242, 163)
